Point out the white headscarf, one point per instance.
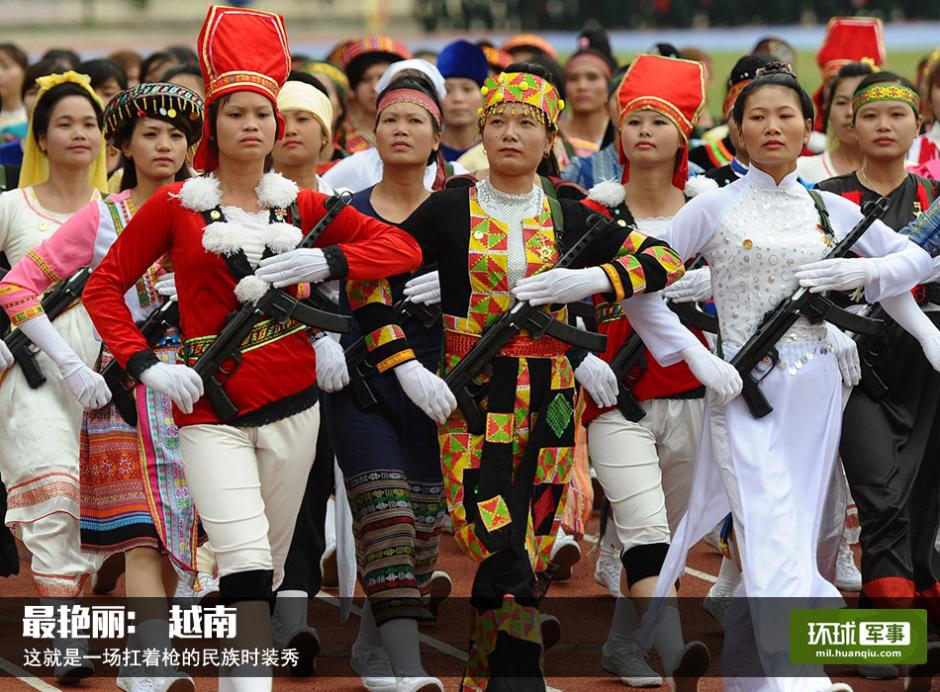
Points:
(423, 66)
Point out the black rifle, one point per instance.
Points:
(357, 354)
(153, 329)
(522, 315)
(53, 305)
(276, 305)
(815, 307)
(923, 231)
(630, 355)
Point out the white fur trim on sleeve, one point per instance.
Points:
(699, 185)
(276, 192)
(282, 237)
(251, 288)
(201, 193)
(610, 193)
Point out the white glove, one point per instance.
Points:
(694, 287)
(931, 348)
(426, 390)
(846, 354)
(302, 265)
(87, 386)
(6, 358)
(562, 285)
(597, 377)
(717, 375)
(841, 274)
(935, 277)
(179, 382)
(424, 289)
(332, 374)
(166, 285)
(904, 310)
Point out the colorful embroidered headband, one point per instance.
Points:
(733, 92)
(414, 96)
(524, 89)
(331, 72)
(883, 91)
(171, 102)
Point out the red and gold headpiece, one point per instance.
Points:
(673, 87)
(241, 50)
(848, 39)
(522, 89)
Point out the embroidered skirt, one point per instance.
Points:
(133, 487)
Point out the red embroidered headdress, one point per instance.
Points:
(240, 50)
(848, 39)
(673, 87)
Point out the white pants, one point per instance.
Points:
(247, 484)
(646, 467)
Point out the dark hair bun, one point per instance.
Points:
(775, 67)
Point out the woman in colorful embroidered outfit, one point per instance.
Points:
(134, 494)
(224, 234)
(506, 488)
(891, 437)
(645, 465)
(63, 169)
(388, 452)
(773, 472)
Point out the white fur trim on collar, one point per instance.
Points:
(226, 238)
(610, 193)
(276, 192)
(699, 185)
(203, 193)
(251, 289)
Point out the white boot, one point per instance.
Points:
(848, 578)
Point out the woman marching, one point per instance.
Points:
(891, 432)
(774, 471)
(63, 170)
(227, 236)
(496, 243)
(645, 462)
(388, 451)
(140, 509)
(842, 155)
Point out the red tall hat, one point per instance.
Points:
(848, 39)
(673, 87)
(240, 50)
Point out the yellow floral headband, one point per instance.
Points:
(885, 91)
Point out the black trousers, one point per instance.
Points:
(891, 453)
(302, 567)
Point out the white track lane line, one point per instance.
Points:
(704, 576)
(26, 677)
(443, 647)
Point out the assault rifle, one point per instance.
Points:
(814, 306)
(357, 355)
(924, 231)
(153, 328)
(276, 305)
(630, 355)
(53, 305)
(523, 315)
